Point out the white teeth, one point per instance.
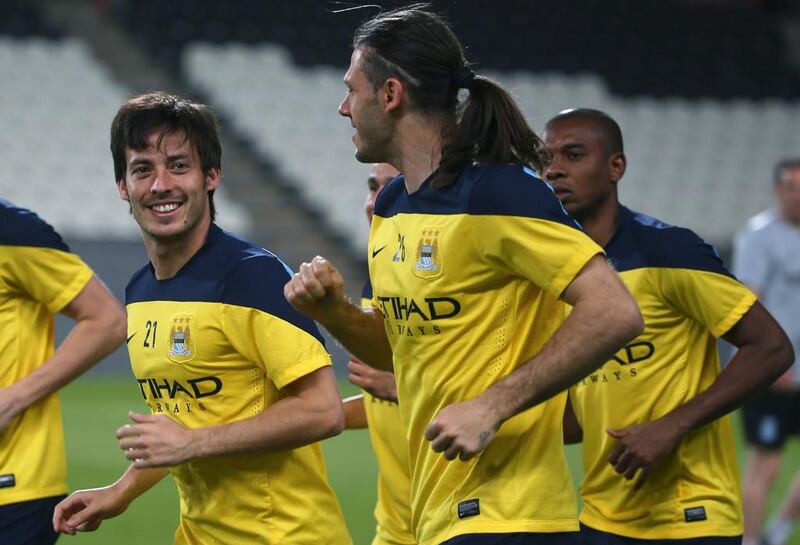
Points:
(165, 207)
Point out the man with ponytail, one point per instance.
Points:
(470, 256)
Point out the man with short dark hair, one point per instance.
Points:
(239, 384)
(39, 277)
(767, 258)
(659, 460)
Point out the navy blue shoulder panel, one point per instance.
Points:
(228, 270)
(258, 283)
(489, 189)
(512, 190)
(21, 227)
(366, 290)
(642, 241)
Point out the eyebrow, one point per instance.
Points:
(170, 159)
(179, 156)
(139, 161)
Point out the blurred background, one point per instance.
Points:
(707, 93)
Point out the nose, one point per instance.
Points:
(553, 170)
(161, 182)
(344, 108)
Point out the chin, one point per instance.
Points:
(363, 156)
(366, 154)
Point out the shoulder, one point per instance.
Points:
(21, 227)
(661, 245)
(513, 190)
(246, 271)
(256, 281)
(255, 275)
(760, 226)
(227, 269)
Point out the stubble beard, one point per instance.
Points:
(375, 136)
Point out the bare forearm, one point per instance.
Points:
(355, 417)
(575, 350)
(135, 482)
(751, 369)
(289, 423)
(764, 354)
(362, 332)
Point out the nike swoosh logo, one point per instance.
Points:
(379, 250)
(132, 336)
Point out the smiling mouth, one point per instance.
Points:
(165, 208)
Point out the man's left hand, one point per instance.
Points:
(155, 441)
(640, 446)
(463, 429)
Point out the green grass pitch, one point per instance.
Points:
(95, 407)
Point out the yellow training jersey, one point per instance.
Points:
(38, 277)
(687, 298)
(468, 278)
(388, 436)
(213, 345)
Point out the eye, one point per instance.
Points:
(574, 156)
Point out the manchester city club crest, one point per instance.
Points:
(428, 262)
(181, 343)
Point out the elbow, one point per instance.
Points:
(630, 320)
(774, 353)
(332, 421)
(110, 318)
(118, 326)
(783, 355)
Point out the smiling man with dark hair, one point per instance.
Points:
(239, 384)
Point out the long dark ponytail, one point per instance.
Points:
(419, 48)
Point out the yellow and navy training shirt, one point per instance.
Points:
(687, 298)
(38, 277)
(215, 344)
(388, 436)
(468, 278)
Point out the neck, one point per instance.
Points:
(169, 255)
(602, 221)
(419, 149)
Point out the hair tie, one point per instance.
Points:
(464, 78)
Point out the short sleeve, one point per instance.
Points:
(265, 328)
(35, 262)
(706, 291)
(52, 277)
(524, 230)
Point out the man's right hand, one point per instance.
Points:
(316, 290)
(84, 510)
